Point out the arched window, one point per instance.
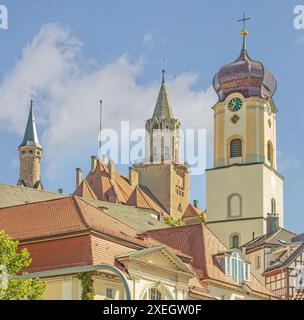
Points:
(235, 148)
(273, 206)
(155, 126)
(235, 241)
(155, 294)
(270, 153)
(235, 205)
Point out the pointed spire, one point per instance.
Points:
(163, 108)
(30, 135)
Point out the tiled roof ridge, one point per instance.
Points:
(92, 193)
(106, 213)
(80, 212)
(36, 202)
(27, 188)
(117, 185)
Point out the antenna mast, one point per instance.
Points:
(100, 130)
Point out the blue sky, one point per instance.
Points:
(114, 49)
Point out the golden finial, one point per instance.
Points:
(244, 32)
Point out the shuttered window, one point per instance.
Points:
(235, 148)
(270, 153)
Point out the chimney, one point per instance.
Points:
(133, 177)
(195, 204)
(78, 177)
(93, 163)
(272, 221)
(111, 168)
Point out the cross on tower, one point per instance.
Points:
(244, 32)
(244, 19)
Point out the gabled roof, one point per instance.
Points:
(59, 216)
(30, 135)
(118, 189)
(85, 191)
(298, 238)
(137, 218)
(199, 242)
(191, 212)
(163, 250)
(163, 108)
(69, 215)
(273, 239)
(287, 261)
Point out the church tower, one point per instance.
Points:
(30, 152)
(161, 171)
(244, 186)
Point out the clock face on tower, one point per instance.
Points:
(235, 104)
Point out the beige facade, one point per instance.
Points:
(244, 186)
(169, 183)
(239, 197)
(254, 124)
(151, 271)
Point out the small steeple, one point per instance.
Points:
(30, 153)
(163, 108)
(30, 135)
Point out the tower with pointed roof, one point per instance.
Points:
(30, 153)
(162, 139)
(161, 171)
(244, 186)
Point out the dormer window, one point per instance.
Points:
(236, 267)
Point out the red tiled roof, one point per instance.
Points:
(198, 241)
(85, 191)
(299, 295)
(59, 253)
(118, 189)
(191, 212)
(69, 232)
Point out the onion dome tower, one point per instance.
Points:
(244, 186)
(244, 75)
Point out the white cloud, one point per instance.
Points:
(68, 91)
(148, 38)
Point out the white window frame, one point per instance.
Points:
(157, 292)
(113, 290)
(239, 261)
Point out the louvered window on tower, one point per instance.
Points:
(270, 152)
(235, 148)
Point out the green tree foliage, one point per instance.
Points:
(87, 284)
(15, 261)
(175, 223)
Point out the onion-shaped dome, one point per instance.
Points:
(245, 76)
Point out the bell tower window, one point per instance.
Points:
(235, 148)
(270, 153)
